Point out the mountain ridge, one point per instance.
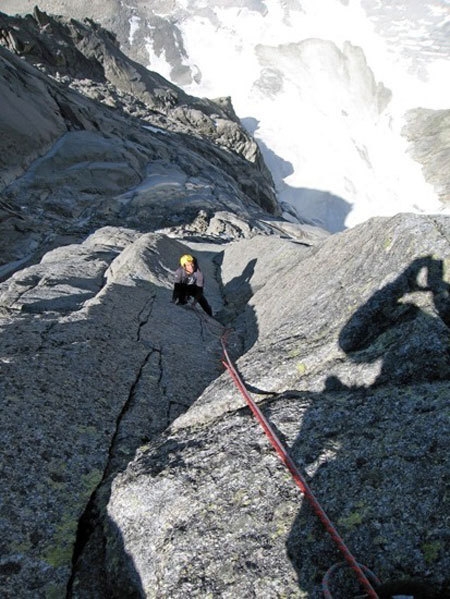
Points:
(314, 73)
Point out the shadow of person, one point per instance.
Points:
(237, 313)
(398, 325)
(366, 437)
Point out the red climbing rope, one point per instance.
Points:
(298, 478)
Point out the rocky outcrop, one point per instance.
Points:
(85, 55)
(428, 132)
(93, 327)
(88, 141)
(344, 345)
(349, 360)
(155, 31)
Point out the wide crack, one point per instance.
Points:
(89, 530)
(90, 561)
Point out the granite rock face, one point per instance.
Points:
(127, 449)
(90, 139)
(347, 353)
(130, 464)
(76, 322)
(142, 24)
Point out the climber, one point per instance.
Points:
(189, 282)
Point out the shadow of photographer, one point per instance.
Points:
(368, 436)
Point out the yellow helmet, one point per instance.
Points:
(185, 259)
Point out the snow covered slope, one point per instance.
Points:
(323, 86)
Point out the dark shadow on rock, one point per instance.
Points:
(367, 434)
(308, 206)
(237, 313)
(315, 207)
(62, 304)
(390, 318)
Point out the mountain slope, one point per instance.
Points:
(329, 90)
(130, 464)
(76, 150)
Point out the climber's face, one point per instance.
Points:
(189, 267)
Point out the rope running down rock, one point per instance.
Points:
(359, 570)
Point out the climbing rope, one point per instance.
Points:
(359, 570)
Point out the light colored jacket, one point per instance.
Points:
(196, 278)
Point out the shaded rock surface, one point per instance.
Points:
(91, 139)
(141, 25)
(131, 466)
